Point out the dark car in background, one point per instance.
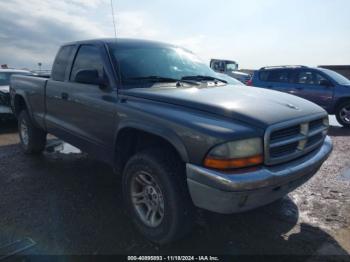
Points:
(324, 87)
(5, 76)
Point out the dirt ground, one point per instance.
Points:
(71, 204)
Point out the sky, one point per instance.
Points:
(254, 33)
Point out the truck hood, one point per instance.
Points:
(255, 106)
(4, 89)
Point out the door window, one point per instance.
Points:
(280, 76)
(305, 77)
(308, 77)
(319, 78)
(88, 58)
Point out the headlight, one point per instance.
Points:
(236, 154)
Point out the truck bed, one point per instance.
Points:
(33, 88)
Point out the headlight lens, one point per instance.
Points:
(236, 154)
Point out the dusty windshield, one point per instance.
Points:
(161, 62)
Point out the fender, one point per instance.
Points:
(165, 133)
(23, 95)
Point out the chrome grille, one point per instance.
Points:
(293, 139)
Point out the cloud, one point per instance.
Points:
(253, 33)
(32, 30)
(135, 24)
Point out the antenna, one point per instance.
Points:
(115, 29)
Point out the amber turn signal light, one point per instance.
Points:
(225, 164)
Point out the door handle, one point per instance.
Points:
(299, 88)
(64, 96)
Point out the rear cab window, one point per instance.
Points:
(62, 62)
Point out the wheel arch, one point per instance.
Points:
(341, 101)
(133, 137)
(19, 104)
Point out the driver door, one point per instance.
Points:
(307, 84)
(90, 108)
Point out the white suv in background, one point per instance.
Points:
(5, 76)
(230, 68)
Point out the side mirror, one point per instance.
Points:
(325, 82)
(90, 76)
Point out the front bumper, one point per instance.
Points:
(240, 191)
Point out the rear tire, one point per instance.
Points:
(33, 139)
(343, 114)
(156, 174)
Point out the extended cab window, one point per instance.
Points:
(88, 58)
(61, 63)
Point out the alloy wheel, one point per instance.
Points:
(24, 132)
(147, 199)
(345, 114)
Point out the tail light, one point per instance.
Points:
(250, 82)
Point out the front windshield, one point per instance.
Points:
(341, 80)
(6, 76)
(161, 61)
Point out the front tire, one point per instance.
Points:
(156, 196)
(343, 114)
(33, 139)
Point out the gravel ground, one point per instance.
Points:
(70, 204)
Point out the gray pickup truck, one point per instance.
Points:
(180, 136)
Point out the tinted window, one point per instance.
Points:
(281, 76)
(308, 77)
(61, 63)
(263, 75)
(319, 78)
(88, 58)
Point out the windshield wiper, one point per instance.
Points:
(162, 79)
(203, 78)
